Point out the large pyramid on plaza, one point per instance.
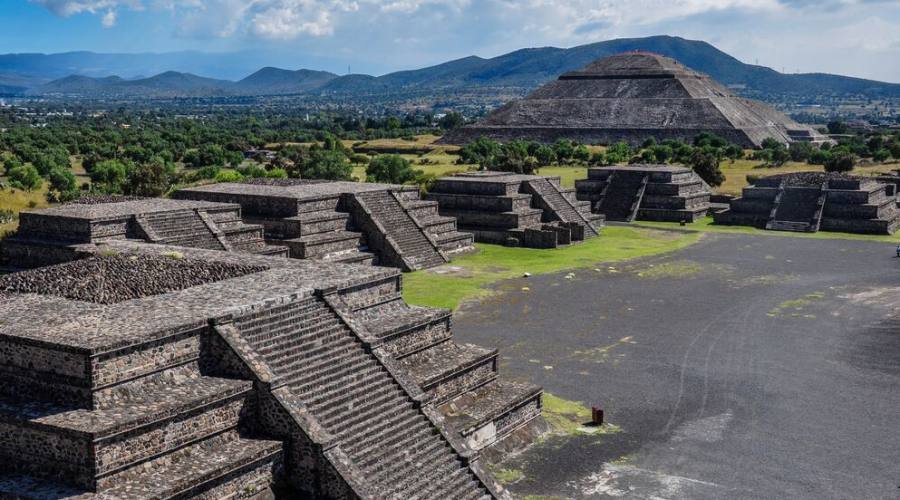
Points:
(630, 97)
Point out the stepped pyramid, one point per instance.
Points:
(131, 374)
(631, 97)
(349, 222)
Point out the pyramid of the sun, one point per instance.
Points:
(631, 97)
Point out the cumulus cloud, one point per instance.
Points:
(72, 7)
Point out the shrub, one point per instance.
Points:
(707, 167)
(25, 177)
(391, 169)
(229, 176)
(840, 161)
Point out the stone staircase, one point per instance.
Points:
(461, 380)
(443, 230)
(213, 230)
(167, 432)
(559, 206)
(797, 209)
(184, 228)
(320, 231)
(622, 196)
(349, 393)
(407, 240)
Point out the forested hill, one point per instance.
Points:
(515, 73)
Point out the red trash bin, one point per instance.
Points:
(597, 415)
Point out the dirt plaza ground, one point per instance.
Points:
(743, 366)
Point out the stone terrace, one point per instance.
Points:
(47, 236)
(302, 374)
(516, 210)
(813, 201)
(344, 221)
(645, 192)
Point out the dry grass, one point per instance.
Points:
(18, 200)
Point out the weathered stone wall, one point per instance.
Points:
(52, 455)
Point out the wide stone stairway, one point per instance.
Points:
(797, 209)
(349, 393)
(561, 207)
(622, 196)
(408, 239)
(460, 380)
(183, 228)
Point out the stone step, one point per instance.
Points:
(421, 208)
(262, 317)
(268, 338)
(349, 426)
(357, 256)
(265, 335)
(155, 416)
(449, 369)
(316, 222)
(330, 380)
(246, 465)
(386, 435)
(410, 329)
(455, 241)
(489, 413)
(432, 464)
(310, 360)
(363, 396)
(362, 437)
(320, 245)
(424, 456)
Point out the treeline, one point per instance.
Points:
(877, 147)
(704, 155)
(148, 154)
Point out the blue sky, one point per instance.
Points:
(852, 37)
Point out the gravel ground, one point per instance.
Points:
(741, 367)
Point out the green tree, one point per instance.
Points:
(618, 153)
(451, 121)
(25, 177)
(544, 155)
(840, 161)
(564, 150)
(581, 153)
(391, 169)
(63, 186)
(109, 175)
(10, 164)
(151, 179)
(483, 152)
(707, 167)
(330, 165)
(837, 127)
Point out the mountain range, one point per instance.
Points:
(514, 73)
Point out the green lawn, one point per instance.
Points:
(470, 276)
(706, 225)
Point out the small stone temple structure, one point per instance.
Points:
(144, 370)
(645, 192)
(513, 209)
(49, 236)
(813, 201)
(353, 222)
(631, 97)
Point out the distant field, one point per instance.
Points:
(17, 200)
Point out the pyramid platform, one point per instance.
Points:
(631, 97)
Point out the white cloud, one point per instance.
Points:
(72, 7)
(109, 19)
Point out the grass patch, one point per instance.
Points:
(565, 416)
(507, 476)
(468, 277)
(706, 225)
(17, 200)
(796, 305)
(676, 269)
(572, 417)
